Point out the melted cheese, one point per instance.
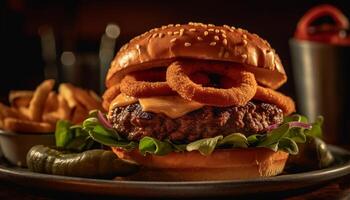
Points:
(171, 106)
(122, 100)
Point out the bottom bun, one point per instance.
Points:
(222, 164)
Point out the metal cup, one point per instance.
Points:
(321, 75)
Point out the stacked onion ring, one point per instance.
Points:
(190, 80)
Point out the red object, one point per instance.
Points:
(326, 33)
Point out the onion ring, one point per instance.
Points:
(109, 95)
(279, 99)
(178, 79)
(138, 84)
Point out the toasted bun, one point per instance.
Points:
(222, 164)
(160, 46)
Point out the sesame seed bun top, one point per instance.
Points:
(161, 46)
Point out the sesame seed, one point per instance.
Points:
(176, 32)
(240, 30)
(222, 31)
(233, 28)
(244, 56)
(181, 32)
(164, 27)
(216, 38)
(224, 41)
(170, 25)
(161, 35)
(211, 25)
(244, 36)
(199, 38)
(192, 30)
(190, 23)
(211, 29)
(244, 42)
(226, 54)
(187, 44)
(212, 44)
(217, 31)
(226, 26)
(154, 35)
(206, 33)
(169, 33)
(177, 25)
(173, 40)
(224, 35)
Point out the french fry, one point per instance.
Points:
(63, 112)
(41, 93)
(18, 98)
(67, 91)
(79, 114)
(19, 125)
(51, 103)
(24, 112)
(84, 98)
(51, 117)
(6, 111)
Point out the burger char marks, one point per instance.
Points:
(254, 117)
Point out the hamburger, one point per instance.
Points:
(199, 102)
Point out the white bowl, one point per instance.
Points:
(15, 146)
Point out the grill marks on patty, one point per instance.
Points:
(254, 117)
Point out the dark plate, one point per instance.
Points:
(179, 189)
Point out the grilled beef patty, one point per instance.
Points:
(133, 123)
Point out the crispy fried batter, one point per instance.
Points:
(279, 99)
(145, 84)
(178, 79)
(109, 95)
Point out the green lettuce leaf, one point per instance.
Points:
(316, 130)
(234, 140)
(288, 145)
(154, 146)
(72, 137)
(105, 136)
(205, 146)
(63, 133)
(272, 138)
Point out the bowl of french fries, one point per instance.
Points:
(31, 116)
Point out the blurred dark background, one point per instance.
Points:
(67, 35)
